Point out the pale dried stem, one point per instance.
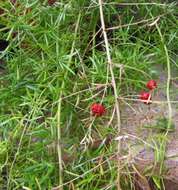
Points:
(113, 83)
(136, 23)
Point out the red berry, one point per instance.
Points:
(146, 96)
(151, 84)
(97, 109)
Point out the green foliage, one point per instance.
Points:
(37, 70)
(162, 125)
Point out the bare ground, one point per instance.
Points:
(143, 146)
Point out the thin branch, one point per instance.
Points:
(113, 81)
(136, 4)
(131, 4)
(151, 101)
(136, 23)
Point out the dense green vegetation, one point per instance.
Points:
(54, 67)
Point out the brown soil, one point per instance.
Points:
(139, 143)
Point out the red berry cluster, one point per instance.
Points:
(97, 109)
(146, 96)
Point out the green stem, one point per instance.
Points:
(168, 78)
(58, 114)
